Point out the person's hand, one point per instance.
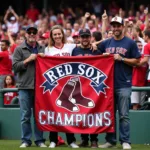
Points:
(106, 54)
(12, 11)
(93, 47)
(41, 54)
(32, 57)
(126, 21)
(117, 57)
(87, 15)
(120, 12)
(104, 16)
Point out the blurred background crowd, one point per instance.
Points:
(72, 15)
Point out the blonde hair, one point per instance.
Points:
(51, 40)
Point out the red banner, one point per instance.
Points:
(75, 94)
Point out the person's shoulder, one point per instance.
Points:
(129, 39)
(147, 45)
(107, 40)
(77, 48)
(21, 46)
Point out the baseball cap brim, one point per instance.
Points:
(33, 28)
(113, 22)
(85, 34)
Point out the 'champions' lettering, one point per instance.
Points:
(84, 120)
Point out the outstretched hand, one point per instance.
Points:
(104, 16)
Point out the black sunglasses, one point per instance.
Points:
(32, 32)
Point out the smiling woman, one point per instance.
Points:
(58, 47)
(57, 43)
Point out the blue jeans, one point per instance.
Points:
(121, 101)
(26, 100)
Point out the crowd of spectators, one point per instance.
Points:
(95, 18)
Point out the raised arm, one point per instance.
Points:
(6, 16)
(146, 19)
(15, 14)
(84, 19)
(104, 24)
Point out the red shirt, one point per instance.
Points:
(147, 53)
(139, 75)
(9, 96)
(12, 48)
(32, 14)
(5, 63)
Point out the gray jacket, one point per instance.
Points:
(25, 74)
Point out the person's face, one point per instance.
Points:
(90, 24)
(76, 26)
(76, 39)
(31, 35)
(117, 29)
(85, 40)
(68, 25)
(145, 38)
(57, 35)
(110, 34)
(20, 40)
(3, 46)
(8, 80)
(140, 46)
(68, 33)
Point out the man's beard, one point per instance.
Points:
(86, 45)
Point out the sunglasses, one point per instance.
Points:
(32, 32)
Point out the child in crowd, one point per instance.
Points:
(10, 97)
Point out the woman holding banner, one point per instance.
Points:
(58, 47)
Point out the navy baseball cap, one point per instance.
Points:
(34, 27)
(84, 32)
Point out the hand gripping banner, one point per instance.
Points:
(75, 94)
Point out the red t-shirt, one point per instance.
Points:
(139, 75)
(32, 14)
(12, 48)
(5, 63)
(147, 53)
(9, 96)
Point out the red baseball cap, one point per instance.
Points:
(46, 35)
(75, 34)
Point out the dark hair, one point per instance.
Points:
(6, 42)
(139, 31)
(69, 29)
(147, 33)
(12, 78)
(138, 41)
(97, 35)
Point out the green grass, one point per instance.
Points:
(14, 145)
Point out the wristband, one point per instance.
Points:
(122, 59)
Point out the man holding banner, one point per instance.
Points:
(24, 65)
(85, 50)
(126, 55)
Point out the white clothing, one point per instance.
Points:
(66, 50)
(13, 27)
